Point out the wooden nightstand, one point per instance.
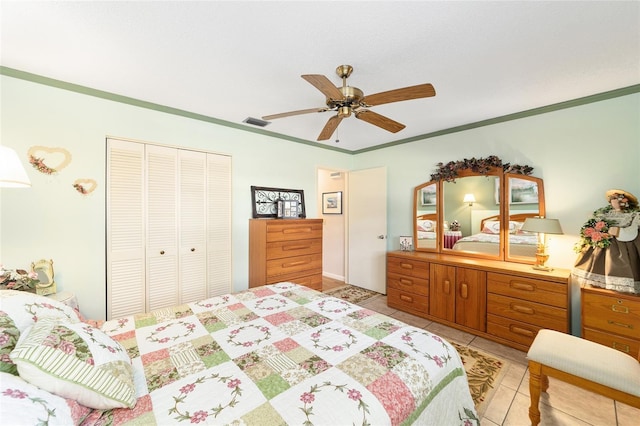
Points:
(611, 319)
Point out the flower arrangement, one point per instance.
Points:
(18, 279)
(449, 172)
(455, 226)
(38, 164)
(594, 233)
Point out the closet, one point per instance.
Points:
(168, 226)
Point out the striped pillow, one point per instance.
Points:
(76, 361)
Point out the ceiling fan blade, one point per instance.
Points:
(324, 85)
(397, 95)
(379, 120)
(290, 113)
(329, 128)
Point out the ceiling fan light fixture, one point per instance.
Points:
(344, 111)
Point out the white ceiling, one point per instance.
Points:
(237, 59)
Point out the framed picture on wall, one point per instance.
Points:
(429, 195)
(332, 202)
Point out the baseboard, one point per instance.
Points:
(333, 276)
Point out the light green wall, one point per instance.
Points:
(580, 152)
(52, 220)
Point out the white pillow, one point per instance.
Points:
(76, 361)
(24, 404)
(19, 310)
(426, 225)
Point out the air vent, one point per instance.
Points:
(256, 121)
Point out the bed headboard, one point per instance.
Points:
(519, 217)
(427, 216)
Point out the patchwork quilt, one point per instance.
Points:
(285, 354)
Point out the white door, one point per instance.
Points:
(367, 228)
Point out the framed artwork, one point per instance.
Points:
(521, 191)
(406, 243)
(428, 195)
(264, 201)
(332, 202)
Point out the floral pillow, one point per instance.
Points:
(493, 227)
(76, 361)
(25, 404)
(426, 225)
(19, 310)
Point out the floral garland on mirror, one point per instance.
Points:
(449, 172)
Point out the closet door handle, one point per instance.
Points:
(193, 249)
(464, 290)
(161, 252)
(447, 286)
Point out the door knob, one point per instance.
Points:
(381, 237)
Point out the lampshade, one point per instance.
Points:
(12, 173)
(469, 198)
(542, 225)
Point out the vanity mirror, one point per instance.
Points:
(476, 208)
(44, 269)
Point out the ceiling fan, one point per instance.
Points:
(346, 100)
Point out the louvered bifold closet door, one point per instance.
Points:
(192, 232)
(219, 224)
(126, 267)
(162, 227)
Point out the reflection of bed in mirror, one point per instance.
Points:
(486, 236)
(426, 227)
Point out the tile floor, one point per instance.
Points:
(562, 405)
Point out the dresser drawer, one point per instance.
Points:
(408, 284)
(513, 330)
(623, 344)
(611, 314)
(544, 292)
(538, 314)
(408, 267)
(289, 265)
(280, 249)
(408, 302)
(291, 231)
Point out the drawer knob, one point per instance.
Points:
(522, 286)
(620, 309)
(621, 347)
(406, 266)
(405, 281)
(521, 331)
(464, 290)
(523, 309)
(406, 298)
(620, 324)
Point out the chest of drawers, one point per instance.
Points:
(611, 319)
(285, 250)
(505, 302)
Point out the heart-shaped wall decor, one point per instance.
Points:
(85, 186)
(49, 160)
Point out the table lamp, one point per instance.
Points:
(542, 226)
(12, 173)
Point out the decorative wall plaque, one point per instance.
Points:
(264, 200)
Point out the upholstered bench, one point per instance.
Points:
(582, 363)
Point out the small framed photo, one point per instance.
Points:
(332, 202)
(288, 209)
(406, 243)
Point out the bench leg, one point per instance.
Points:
(537, 382)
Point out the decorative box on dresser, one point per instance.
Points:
(611, 319)
(502, 301)
(285, 250)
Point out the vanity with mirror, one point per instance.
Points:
(472, 264)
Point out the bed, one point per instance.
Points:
(426, 227)
(488, 239)
(278, 354)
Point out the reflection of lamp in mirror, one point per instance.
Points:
(542, 227)
(12, 173)
(469, 198)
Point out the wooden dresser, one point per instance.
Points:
(611, 319)
(285, 250)
(502, 301)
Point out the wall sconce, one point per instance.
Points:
(469, 198)
(542, 227)
(12, 173)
